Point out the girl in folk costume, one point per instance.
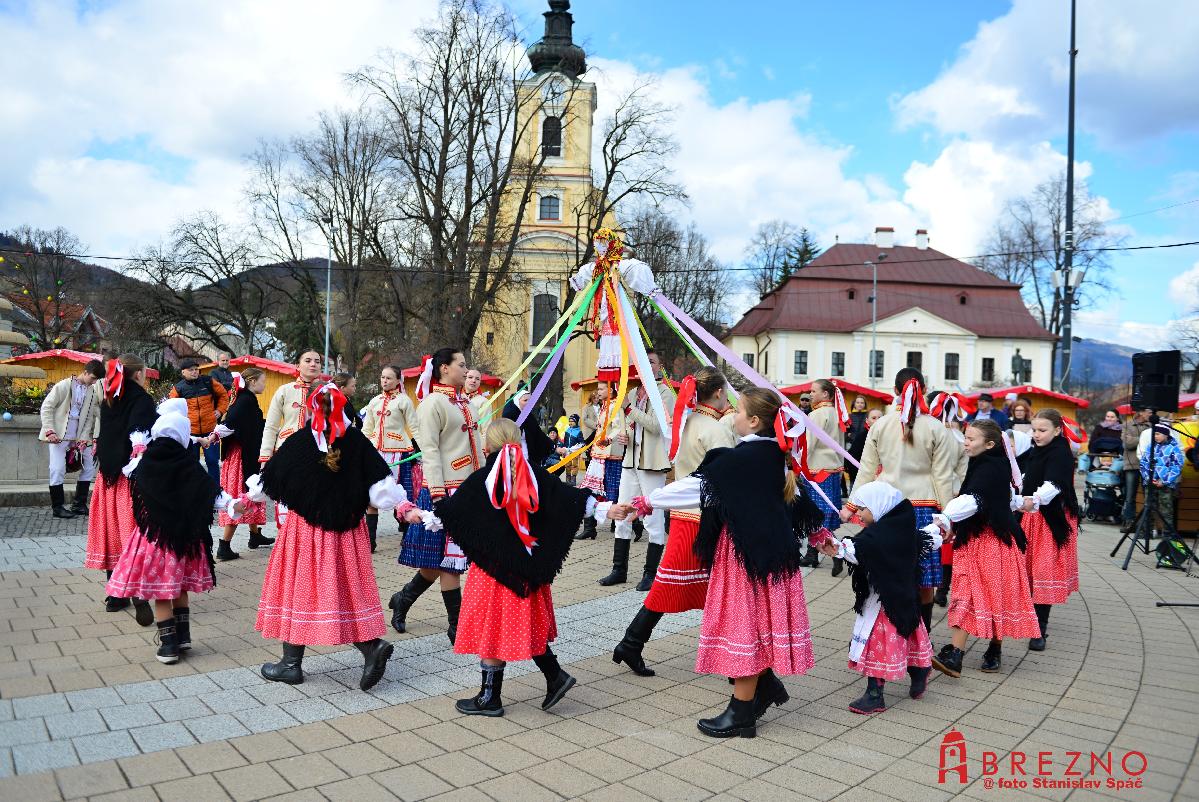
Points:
(914, 453)
(951, 409)
(514, 522)
(169, 554)
(607, 454)
(751, 532)
(1050, 519)
(348, 384)
(889, 639)
(450, 451)
(856, 433)
(288, 412)
(989, 596)
(681, 583)
(386, 422)
(319, 587)
(125, 420)
(241, 442)
(824, 465)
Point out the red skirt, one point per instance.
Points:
(888, 654)
(1053, 572)
(233, 483)
(109, 524)
(681, 582)
(147, 571)
(750, 626)
(319, 587)
(497, 624)
(989, 595)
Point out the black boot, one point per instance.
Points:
(628, 651)
(79, 503)
(736, 720)
(168, 642)
(143, 613)
(992, 657)
(453, 605)
(941, 597)
(258, 539)
(919, 677)
(183, 627)
(638, 530)
(949, 660)
(372, 526)
(488, 701)
(590, 529)
(112, 604)
(808, 560)
(289, 669)
(926, 615)
(1038, 644)
(838, 566)
(620, 563)
(872, 700)
(58, 501)
(653, 556)
(557, 681)
(402, 600)
(225, 552)
(375, 654)
(770, 691)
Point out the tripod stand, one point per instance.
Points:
(1144, 528)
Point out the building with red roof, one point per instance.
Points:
(960, 325)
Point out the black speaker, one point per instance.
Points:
(1155, 380)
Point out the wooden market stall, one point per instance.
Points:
(277, 374)
(1188, 431)
(58, 364)
(1186, 405)
(1039, 398)
(875, 399)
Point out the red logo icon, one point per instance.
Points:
(953, 757)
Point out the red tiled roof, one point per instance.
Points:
(817, 297)
(1027, 389)
(846, 387)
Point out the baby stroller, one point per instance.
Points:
(1103, 485)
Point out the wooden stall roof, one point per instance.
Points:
(847, 388)
(82, 357)
(1186, 403)
(1031, 390)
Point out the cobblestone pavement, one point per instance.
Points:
(85, 710)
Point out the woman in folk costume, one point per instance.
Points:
(752, 529)
(824, 464)
(514, 521)
(288, 412)
(1050, 520)
(241, 441)
(125, 420)
(607, 454)
(681, 582)
(450, 452)
(169, 554)
(914, 453)
(889, 639)
(949, 407)
(385, 423)
(319, 587)
(990, 597)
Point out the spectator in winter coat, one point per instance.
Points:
(207, 400)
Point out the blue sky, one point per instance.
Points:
(124, 115)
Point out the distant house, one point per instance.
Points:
(959, 325)
(74, 326)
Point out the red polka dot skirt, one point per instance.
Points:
(989, 594)
(233, 483)
(109, 524)
(147, 571)
(497, 624)
(888, 654)
(1053, 571)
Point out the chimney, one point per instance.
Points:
(884, 236)
(922, 239)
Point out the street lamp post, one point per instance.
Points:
(1068, 278)
(328, 287)
(871, 367)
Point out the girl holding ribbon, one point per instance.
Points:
(241, 440)
(514, 521)
(386, 423)
(752, 529)
(319, 587)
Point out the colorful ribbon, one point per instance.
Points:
(1071, 429)
(840, 408)
(114, 379)
(683, 404)
(512, 487)
(424, 382)
(327, 427)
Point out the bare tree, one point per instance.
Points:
(1184, 335)
(42, 279)
(776, 250)
(1028, 247)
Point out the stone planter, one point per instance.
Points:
(23, 458)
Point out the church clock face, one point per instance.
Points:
(554, 91)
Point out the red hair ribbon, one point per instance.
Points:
(1071, 429)
(911, 402)
(840, 408)
(327, 427)
(950, 406)
(239, 384)
(790, 430)
(683, 404)
(114, 379)
(513, 488)
(424, 382)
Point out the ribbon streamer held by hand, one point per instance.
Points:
(512, 487)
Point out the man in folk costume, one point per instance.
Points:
(645, 466)
(824, 464)
(287, 413)
(607, 453)
(385, 422)
(450, 451)
(71, 422)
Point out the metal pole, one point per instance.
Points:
(1068, 266)
(873, 326)
(328, 295)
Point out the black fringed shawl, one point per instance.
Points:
(133, 411)
(1054, 463)
(888, 554)
(742, 488)
(486, 535)
(334, 501)
(245, 419)
(989, 480)
(173, 498)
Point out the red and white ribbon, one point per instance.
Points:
(424, 382)
(684, 403)
(114, 379)
(949, 406)
(512, 487)
(327, 427)
(911, 402)
(1071, 429)
(840, 408)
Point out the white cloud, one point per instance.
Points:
(1107, 325)
(1184, 290)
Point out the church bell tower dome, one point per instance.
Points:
(557, 51)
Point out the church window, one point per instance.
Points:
(549, 208)
(551, 137)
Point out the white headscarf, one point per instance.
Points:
(1021, 441)
(173, 422)
(878, 497)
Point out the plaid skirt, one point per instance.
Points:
(612, 469)
(424, 549)
(831, 485)
(930, 564)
